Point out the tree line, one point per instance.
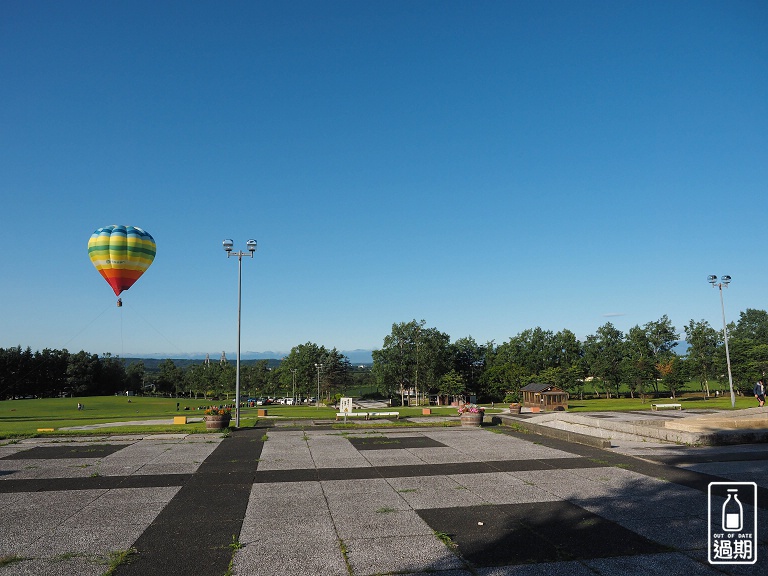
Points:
(417, 362)
(52, 373)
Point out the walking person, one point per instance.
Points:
(760, 393)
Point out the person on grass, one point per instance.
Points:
(760, 393)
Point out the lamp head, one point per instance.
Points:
(712, 279)
(251, 244)
(228, 245)
(725, 280)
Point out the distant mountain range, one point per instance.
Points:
(358, 356)
(355, 356)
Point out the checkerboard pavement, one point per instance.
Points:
(451, 501)
(466, 501)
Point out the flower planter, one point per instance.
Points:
(515, 408)
(474, 419)
(215, 422)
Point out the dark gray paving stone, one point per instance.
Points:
(540, 532)
(677, 460)
(388, 443)
(92, 483)
(193, 533)
(57, 452)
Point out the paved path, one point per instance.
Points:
(452, 501)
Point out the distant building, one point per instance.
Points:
(544, 397)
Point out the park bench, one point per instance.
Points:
(352, 415)
(668, 405)
(383, 415)
(367, 415)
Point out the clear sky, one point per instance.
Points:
(487, 166)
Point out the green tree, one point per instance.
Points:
(468, 360)
(194, 380)
(662, 338)
(254, 378)
(532, 349)
(303, 358)
(110, 375)
(703, 343)
(604, 353)
(412, 359)
(451, 385)
(504, 380)
(170, 377)
(82, 372)
(134, 376)
(672, 374)
(639, 365)
(336, 375)
(749, 353)
(752, 325)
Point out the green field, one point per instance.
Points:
(689, 402)
(22, 418)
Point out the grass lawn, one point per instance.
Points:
(689, 402)
(22, 418)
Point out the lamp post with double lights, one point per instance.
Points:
(251, 245)
(293, 371)
(724, 281)
(317, 400)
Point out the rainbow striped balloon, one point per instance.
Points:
(121, 254)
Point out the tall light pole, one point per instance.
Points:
(293, 371)
(251, 245)
(724, 281)
(317, 400)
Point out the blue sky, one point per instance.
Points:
(485, 166)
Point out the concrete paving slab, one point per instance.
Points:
(82, 565)
(404, 554)
(326, 509)
(502, 488)
(422, 492)
(89, 539)
(652, 565)
(540, 569)
(393, 458)
(282, 546)
(382, 523)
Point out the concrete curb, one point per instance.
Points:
(557, 433)
(559, 424)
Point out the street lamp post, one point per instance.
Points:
(724, 281)
(293, 371)
(317, 400)
(251, 245)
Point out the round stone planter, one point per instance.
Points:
(217, 422)
(471, 419)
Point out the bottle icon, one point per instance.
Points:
(733, 512)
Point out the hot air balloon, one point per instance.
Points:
(121, 254)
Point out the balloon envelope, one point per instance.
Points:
(121, 254)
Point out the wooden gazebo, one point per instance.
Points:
(544, 397)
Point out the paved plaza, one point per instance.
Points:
(287, 500)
